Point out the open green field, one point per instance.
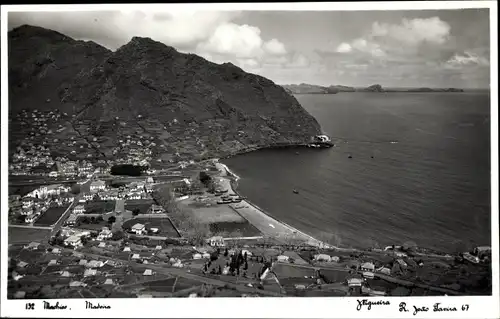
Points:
(232, 229)
(99, 207)
(217, 214)
(51, 216)
(163, 224)
(26, 235)
(142, 205)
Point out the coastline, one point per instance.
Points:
(260, 218)
(257, 215)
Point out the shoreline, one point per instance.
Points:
(261, 214)
(308, 239)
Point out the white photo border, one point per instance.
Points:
(313, 307)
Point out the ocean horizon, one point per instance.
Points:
(405, 167)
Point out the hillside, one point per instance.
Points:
(181, 104)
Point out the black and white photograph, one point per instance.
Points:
(281, 152)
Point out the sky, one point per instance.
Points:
(440, 48)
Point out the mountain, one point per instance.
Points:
(181, 103)
(304, 88)
(373, 88)
(343, 88)
(332, 89)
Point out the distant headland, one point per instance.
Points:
(304, 88)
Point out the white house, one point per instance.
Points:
(368, 267)
(27, 202)
(109, 281)
(26, 212)
(88, 196)
(95, 264)
(126, 248)
(368, 274)
(335, 259)
(53, 174)
(97, 186)
(148, 272)
(155, 209)
(71, 220)
(135, 256)
(197, 256)
(33, 245)
(77, 284)
(139, 229)
(105, 234)
(216, 241)
(401, 262)
(73, 241)
(283, 258)
(79, 209)
(354, 282)
(148, 188)
(322, 257)
(90, 272)
(31, 218)
(384, 270)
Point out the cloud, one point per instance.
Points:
(466, 59)
(384, 40)
(274, 46)
(240, 41)
(413, 31)
(181, 29)
(344, 48)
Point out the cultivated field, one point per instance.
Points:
(99, 207)
(141, 205)
(229, 229)
(26, 235)
(217, 214)
(50, 216)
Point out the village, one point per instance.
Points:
(125, 237)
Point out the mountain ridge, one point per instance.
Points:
(186, 104)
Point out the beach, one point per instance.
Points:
(256, 216)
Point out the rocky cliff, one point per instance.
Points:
(181, 103)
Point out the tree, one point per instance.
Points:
(85, 220)
(111, 219)
(136, 211)
(21, 218)
(246, 265)
(100, 219)
(75, 189)
(226, 252)
(118, 235)
(205, 178)
(220, 270)
(84, 240)
(92, 220)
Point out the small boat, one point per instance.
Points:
(350, 156)
(295, 191)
